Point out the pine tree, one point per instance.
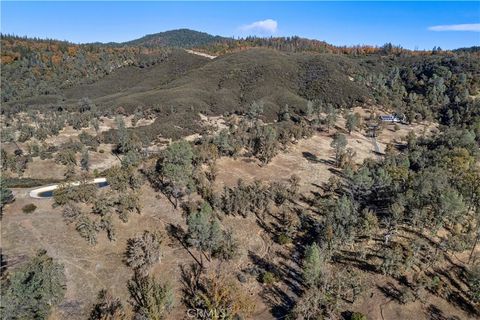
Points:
(313, 265)
(32, 290)
(205, 233)
(151, 299)
(352, 122)
(339, 143)
(176, 163)
(107, 307)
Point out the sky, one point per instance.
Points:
(413, 25)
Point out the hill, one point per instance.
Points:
(180, 38)
(176, 86)
(32, 67)
(185, 85)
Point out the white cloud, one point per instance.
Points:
(457, 27)
(263, 26)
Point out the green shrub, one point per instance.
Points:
(101, 151)
(284, 239)
(358, 316)
(435, 284)
(268, 278)
(473, 281)
(29, 208)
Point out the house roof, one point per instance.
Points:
(388, 117)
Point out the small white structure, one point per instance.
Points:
(37, 193)
(392, 118)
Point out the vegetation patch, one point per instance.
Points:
(29, 208)
(32, 290)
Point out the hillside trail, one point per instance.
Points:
(200, 54)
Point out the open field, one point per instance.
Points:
(92, 268)
(89, 269)
(313, 159)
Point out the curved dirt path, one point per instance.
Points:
(35, 193)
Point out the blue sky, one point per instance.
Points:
(412, 25)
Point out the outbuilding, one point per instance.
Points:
(394, 118)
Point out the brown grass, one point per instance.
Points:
(89, 269)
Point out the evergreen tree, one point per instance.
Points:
(176, 168)
(255, 110)
(151, 299)
(265, 143)
(352, 122)
(473, 280)
(331, 117)
(85, 160)
(32, 290)
(143, 251)
(205, 234)
(313, 265)
(107, 307)
(339, 143)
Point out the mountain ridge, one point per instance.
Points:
(186, 38)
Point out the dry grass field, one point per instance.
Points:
(92, 268)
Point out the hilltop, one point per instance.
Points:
(180, 38)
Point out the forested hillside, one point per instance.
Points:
(176, 86)
(32, 67)
(291, 44)
(181, 38)
(281, 72)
